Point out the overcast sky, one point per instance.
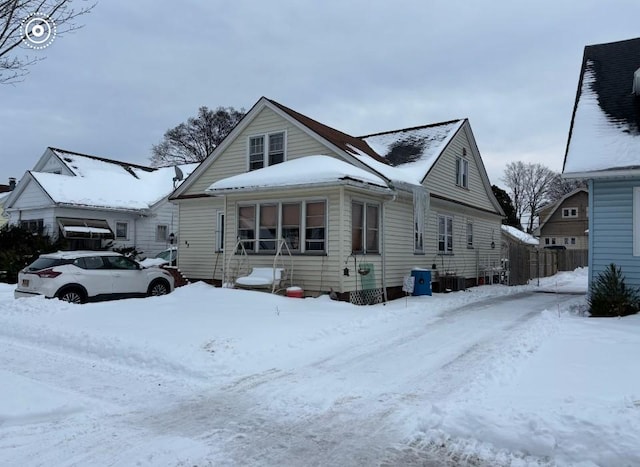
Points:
(140, 67)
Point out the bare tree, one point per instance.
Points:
(529, 186)
(560, 187)
(23, 22)
(537, 182)
(514, 179)
(194, 140)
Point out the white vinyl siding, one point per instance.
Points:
(441, 178)
(233, 160)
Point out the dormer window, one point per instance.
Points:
(266, 150)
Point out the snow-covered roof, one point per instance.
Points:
(518, 234)
(109, 184)
(605, 129)
(409, 153)
(304, 171)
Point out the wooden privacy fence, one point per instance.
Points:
(526, 263)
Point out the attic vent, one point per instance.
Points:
(464, 152)
(636, 82)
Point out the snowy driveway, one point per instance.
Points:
(355, 394)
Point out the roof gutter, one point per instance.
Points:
(614, 173)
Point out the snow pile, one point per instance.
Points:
(494, 376)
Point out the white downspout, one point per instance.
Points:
(384, 247)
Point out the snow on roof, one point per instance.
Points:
(524, 237)
(302, 171)
(605, 131)
(103, 185)
(84, 164)
(411, 152)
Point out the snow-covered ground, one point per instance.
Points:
(494, 376)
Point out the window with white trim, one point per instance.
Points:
(301, 224)
(162, 232)
(462, 172)
(266, 150)
(365, 227)
(469, 234)
(122, 230)
(220, 231)
(569, 212)
(35, 226)
(445, 234)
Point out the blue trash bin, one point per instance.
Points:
(422, 284)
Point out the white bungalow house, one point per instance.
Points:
(353, 215)
(94, 202)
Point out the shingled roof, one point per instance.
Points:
(605, 127)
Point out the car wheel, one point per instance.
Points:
(158, 288)
(71, 295)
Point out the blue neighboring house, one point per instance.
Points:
(604, 148)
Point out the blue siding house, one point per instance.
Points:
(604, 148)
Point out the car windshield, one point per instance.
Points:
(167, 255)
(44, 263)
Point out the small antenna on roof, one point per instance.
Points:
(179, 176)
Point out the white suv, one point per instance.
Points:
(81, 276)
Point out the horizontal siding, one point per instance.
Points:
(612, 231)
(32, 197)
(442, 178)
(233, 160)
(197, 238)
(164, 213)
(464, 261)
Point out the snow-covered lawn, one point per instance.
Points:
(206, 376)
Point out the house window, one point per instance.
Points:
(274, 143)
(256, 152)
(365, 227)
(566, 240)
(291, 225)
(35, 226)
(462, 172)
(247, 226)
(445, 234)
(469, 234)
(547, 241)
(268, 227)
(553, 241)
(315, 231)
(283, 220)
(569, 212)
(161, 233)
(573, 240)
(220, 232)
(122, 230)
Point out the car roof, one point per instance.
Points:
(78, 254)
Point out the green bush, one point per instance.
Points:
(609, 296)
(19, 247)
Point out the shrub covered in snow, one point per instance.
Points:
(610, 296)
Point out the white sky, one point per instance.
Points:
(138, 68)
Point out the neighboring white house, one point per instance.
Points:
(94, 202)
(357, 214)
